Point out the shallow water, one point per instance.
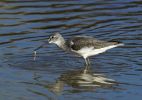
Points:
(57, 75)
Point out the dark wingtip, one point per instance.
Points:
(115, 42)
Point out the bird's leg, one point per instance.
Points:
(87, 61)
(87, 64)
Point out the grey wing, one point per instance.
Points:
(76, 43)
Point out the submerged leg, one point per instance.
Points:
(87, 61)
(87, 65)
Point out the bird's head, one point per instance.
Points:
(55, 38)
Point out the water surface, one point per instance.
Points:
(57, 75)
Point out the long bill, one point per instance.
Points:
(35, 53)
(39, 47)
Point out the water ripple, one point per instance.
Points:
(26, 24)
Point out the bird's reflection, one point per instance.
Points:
(80, 80)
(84, 78)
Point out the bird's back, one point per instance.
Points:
(78, 42)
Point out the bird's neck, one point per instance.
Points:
(62, 44)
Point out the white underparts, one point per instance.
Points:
(90, 51)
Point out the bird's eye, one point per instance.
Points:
(52, 37)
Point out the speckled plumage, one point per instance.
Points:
(78, 42)
(84, 46)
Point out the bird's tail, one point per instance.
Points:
(117, 43)
(120, 44)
